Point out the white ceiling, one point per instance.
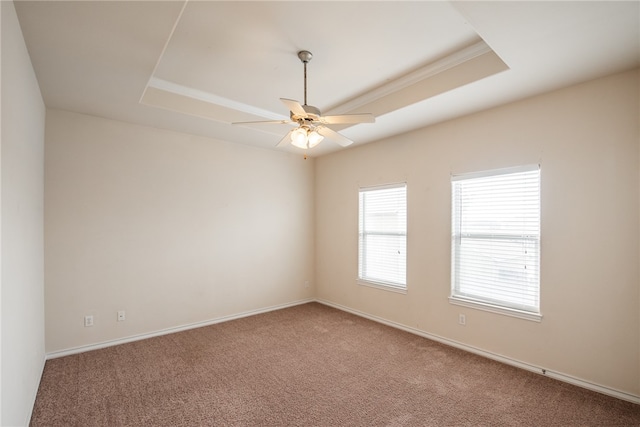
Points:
(197, 66)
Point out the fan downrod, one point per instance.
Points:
(305, 56)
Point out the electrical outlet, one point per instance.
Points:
(88, 321)
(462, 319)
(306, 283)
(121, 316)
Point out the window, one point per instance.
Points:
(382, 255)
(496, 241)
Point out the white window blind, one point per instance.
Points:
(382, 256)
(496, 238)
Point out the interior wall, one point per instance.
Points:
(172, 228)
(586, 139)
(22, 258)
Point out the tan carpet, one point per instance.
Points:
(309, 365)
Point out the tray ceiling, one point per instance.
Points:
(197, 66)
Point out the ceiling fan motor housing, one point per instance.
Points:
(312, 114)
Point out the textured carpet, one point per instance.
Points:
(308, 365)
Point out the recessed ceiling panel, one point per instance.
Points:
(246, 51)
(196, 66)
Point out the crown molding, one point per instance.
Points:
(211, 98)
(434, 68)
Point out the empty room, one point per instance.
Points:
(320, 213)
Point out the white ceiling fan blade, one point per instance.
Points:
(276, 122)
(334, 136)
(294, 107)
(286, 140)
(348, 118)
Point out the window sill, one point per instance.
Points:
(526, 315)
(383, 286)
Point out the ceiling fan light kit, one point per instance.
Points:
(312, 125)
(304, 137)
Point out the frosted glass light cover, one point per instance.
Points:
(299, 138)
(314, 138)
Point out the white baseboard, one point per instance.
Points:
(503, 359)
(104, 344)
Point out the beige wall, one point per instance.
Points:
(175, 229)
(22, 258)
(586, 139)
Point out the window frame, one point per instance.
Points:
(363, 278)
(484, 303)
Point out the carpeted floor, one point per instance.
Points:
(308, 365)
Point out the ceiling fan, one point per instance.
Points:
(312, 125)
